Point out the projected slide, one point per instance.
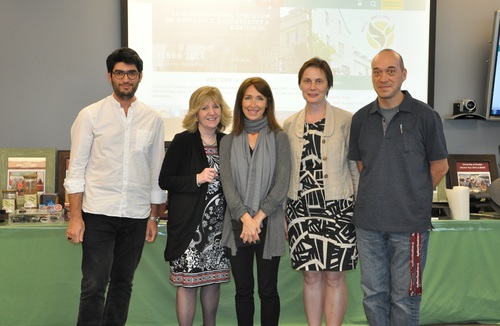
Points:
(187, 44)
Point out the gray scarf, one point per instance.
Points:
(253, 173)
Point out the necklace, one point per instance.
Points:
(209, 144)
(252, 139)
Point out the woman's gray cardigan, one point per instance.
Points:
(272, 205)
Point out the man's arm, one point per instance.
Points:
(152, 228)
(76, 226)
(360, 166)
(438, 169)
(158, 196)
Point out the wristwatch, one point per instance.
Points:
(155, 218)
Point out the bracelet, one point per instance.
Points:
(197, 183)
(155, 218)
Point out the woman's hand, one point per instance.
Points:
(251, 229)
(207, 175)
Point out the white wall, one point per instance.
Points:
(52, 64)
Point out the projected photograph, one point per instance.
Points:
(209, 38)
(187, 44)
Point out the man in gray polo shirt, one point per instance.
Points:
(399, 145)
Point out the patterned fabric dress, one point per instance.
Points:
(320, 234)
(204, 262)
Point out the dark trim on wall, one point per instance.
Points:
(432, 53)
(124, 22)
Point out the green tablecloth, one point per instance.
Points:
(40, 280)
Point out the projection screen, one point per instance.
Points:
(191, 43)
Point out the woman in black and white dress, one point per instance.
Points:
(321, 197)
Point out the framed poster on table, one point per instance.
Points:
(17, 162)
(475, 171)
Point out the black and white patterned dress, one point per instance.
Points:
(205, 262)
(320, 233)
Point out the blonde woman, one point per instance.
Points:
(190, 173)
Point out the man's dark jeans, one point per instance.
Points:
(112, 248)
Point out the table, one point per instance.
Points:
(40, 280)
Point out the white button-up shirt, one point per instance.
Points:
(115, 159)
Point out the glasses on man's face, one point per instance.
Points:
(132, 74)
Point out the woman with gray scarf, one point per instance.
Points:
(255, 172)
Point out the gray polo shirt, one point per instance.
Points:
(395, 185)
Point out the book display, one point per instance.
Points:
(27, 180)
(36, 216)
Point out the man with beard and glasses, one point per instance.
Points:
(117, 149)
